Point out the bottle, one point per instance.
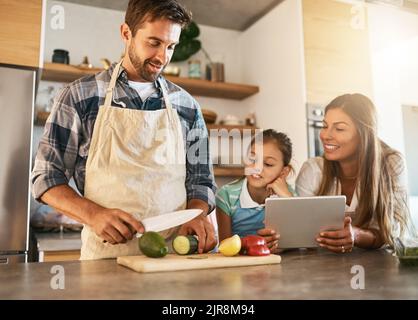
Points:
(194, 69)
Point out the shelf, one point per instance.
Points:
(241, 128)
(65, 73)
(213, 89)
(228, 171)
(197, 87)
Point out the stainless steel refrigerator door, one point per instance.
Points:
(17, 90)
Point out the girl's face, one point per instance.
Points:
(339, 136)
(267, 166)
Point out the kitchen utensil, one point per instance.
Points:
(209, 116)
(174, 262)
(86, 63)
(231, 120)
(106, 63)
(171, 70)
(169, 220)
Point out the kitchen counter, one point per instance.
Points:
(303, 274)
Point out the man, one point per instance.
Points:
(123, 134)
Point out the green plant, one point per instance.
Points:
(188, 44)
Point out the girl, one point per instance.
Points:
(357, 164)
(240, 204)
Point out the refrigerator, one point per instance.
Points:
(17, 99)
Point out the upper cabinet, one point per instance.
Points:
(20, 32)
(337, 54)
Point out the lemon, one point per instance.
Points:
(230, 246)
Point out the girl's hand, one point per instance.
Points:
(272, 239)
(339, 241)
(279, 187)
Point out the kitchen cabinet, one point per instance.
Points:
(20, 32)
(337, 54)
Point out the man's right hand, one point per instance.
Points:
(114, 225)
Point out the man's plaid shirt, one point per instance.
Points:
(64, 147)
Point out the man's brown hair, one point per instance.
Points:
(139, 11)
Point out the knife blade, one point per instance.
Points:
(169, 220)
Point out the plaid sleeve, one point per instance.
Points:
(58, 148)
(200, 182)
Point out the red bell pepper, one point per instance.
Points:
(253, 245)
(258, 251)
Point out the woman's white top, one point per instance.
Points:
(309, 180)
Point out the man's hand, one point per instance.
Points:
(201, 227)
(114, 225)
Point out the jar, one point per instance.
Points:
(194, 69)
(61, 56)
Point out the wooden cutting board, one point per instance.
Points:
(174, 262)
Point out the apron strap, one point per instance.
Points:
(167, 102)
(112, 84)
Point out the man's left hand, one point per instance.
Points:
(201, 227)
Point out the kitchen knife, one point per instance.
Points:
(169, 220)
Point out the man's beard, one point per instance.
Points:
(141, 66)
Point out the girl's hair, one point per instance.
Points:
(379, 170)
(280, 139)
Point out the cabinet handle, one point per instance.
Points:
(4, 260)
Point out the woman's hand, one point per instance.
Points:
(272, 239)
(279, 187)
(339, 241)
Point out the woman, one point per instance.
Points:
(357, 164)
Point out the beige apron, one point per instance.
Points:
(136, 163)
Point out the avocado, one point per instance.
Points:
(153, 245)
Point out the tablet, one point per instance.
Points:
(299, 220)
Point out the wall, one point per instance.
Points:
(88, 31)
(410, 120)
(394, 48)
(272, 55)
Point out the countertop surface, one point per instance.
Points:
(303, 274)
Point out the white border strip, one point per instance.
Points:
(42, 38)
